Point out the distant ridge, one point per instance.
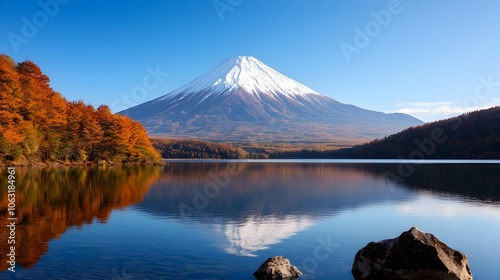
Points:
(242, 99)
(474, 135)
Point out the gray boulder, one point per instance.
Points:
(414, 255)
(277, 268)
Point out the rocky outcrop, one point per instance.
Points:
(277, 268)
(414, 255)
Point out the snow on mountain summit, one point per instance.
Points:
(242, 99)
(246, 73)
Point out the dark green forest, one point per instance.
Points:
(474, 135)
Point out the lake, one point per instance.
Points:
(222, 219)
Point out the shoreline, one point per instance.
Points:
(284, 160)
(73, 164)
(346, 161)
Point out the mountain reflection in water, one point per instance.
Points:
(265, 203)
(262, 204)
(246, 207)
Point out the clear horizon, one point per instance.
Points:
(430, 60)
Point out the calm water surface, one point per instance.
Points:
(221, 220)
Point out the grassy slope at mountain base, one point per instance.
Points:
(474, 135)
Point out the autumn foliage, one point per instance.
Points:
(38, 124)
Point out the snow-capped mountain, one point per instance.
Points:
(244, 99)
(248, 74)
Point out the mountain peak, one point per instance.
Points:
(243, 61)
(242, 99)
(246, 73)
(241, 58)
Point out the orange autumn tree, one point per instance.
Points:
(44, 108)
(39, 124)
(11, 121)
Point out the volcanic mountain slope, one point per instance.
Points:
(243, 99)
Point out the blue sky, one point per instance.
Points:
(432, 59)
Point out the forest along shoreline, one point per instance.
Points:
(23, 163)
(39, 127)
(453, 139)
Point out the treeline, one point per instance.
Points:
(185, 148)
(38, 124)
(305, 154)
(182, 148)
(475, 135)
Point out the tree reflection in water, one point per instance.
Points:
(50, 200)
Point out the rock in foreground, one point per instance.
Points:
(277, 268)
(414, 255)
